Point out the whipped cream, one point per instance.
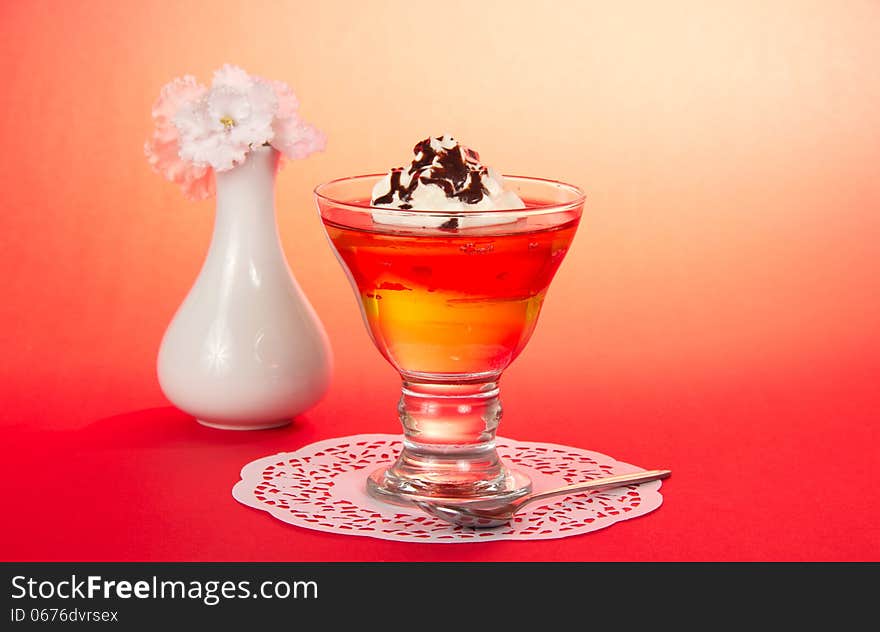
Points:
(444, 176)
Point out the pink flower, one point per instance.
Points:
(163, 147)
(296, 139)
(199, 130)
(293, 137)
(288, 104)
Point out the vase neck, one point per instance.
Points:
(246, 205)
(250, 184)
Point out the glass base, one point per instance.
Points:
(386, 485)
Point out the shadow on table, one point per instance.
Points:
(168, 427)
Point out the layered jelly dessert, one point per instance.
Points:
(451, 279)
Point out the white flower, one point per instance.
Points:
(230, 119)
(217, 127)
(232, 77)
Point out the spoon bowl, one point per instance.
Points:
(486, 515)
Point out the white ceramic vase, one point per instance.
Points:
(245, 350)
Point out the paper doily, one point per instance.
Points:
(322, 486)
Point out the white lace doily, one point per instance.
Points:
(322, 486)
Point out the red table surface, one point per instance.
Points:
(717, 313)
(779, 467)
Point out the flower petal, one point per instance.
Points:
(231, 76)
(163, 146)
(297, 139)
(288, 104)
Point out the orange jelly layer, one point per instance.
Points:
(448, 304)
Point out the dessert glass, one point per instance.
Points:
(450, 299)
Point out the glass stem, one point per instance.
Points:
(449, 440)
(450, 418)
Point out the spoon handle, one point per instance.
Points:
(609, 482)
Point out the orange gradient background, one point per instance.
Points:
(717, 313)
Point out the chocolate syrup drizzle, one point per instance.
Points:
(457, 171)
